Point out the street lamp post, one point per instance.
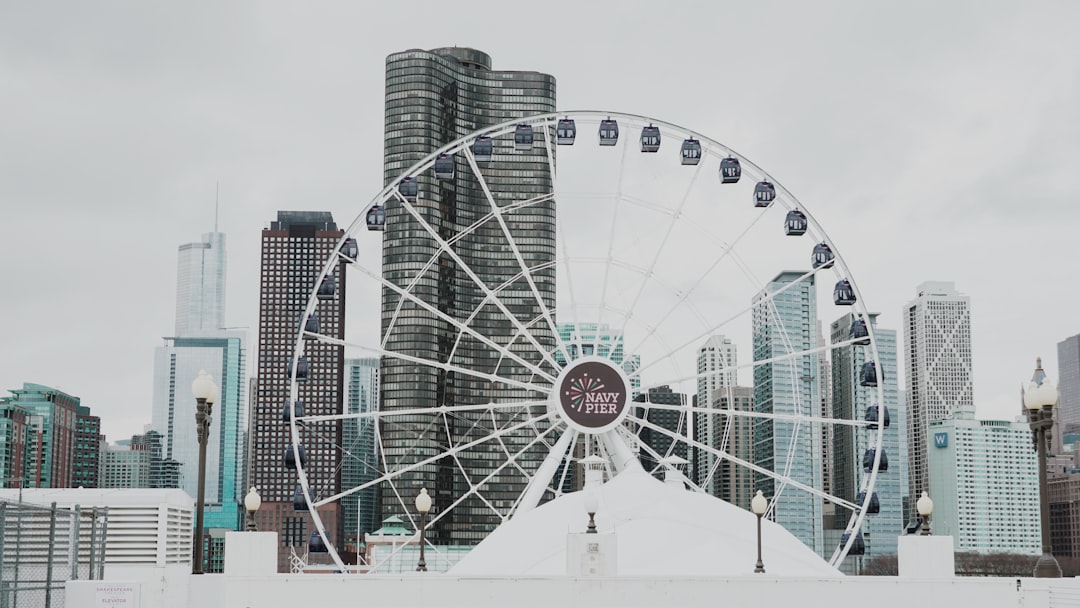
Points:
(592, 503)
(925, 506)
(205, 392)
(758, 506)
(1039, 399)
(252, 502)
(423, 505)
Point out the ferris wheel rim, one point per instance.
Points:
(783, 196)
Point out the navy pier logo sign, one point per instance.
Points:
(592, 395)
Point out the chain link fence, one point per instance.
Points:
(42, 547)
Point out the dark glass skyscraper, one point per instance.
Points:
(294, 249)
(433, 98)
(88, 440)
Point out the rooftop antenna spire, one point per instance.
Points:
(217, 186)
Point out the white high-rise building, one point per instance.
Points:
(200, 285)
(984, 482)
(716, 367)
(937, 358)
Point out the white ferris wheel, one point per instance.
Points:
(647, 239)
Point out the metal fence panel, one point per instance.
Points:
(42, 547)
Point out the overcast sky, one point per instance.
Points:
(933, 141)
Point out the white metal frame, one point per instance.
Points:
(614, 443)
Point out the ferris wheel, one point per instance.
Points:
(555, 313)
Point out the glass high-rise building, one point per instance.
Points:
(14, 437)
(200, 285)
(360, 464)
(848, 444)
(984, 482)
(783, 323)
(51, 424)
(1067, 412)
(176, 364)
(937, 359)
(88, 449)
(294, 249)
(201, 343)
(433, 98)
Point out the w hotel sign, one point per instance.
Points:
(941, 440)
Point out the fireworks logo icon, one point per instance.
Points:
(579, 387)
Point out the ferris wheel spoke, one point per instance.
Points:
(331, 441)
(727, 249)
(437, 409)
(512, 242)
(475, 489)
(426, 461)
(436, 364)
(783, 479)
(490, 295)
(611, 247)
(794, 354)
(462, 327)
(696, 409)
(766, 297)
(663, 243)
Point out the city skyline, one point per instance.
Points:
(952, 89)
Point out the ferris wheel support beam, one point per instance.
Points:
(784, 480)
(422, 463)
(545, 472)
(622, 457)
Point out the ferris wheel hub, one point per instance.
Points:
(592, 394)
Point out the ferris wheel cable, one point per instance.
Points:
(494, 424)
(768, 296)
(663, 242)
(380, 414)
(476, 279)
(513, 243)
(461, 326)
(468, 478)
(752, 364)
(416, 465)
(434, 364)
(475, 488)
(517, 333)
(745, 464)
(727, 249)
(854, 423)
(611, 241)
(508, 208)
(317, 492)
